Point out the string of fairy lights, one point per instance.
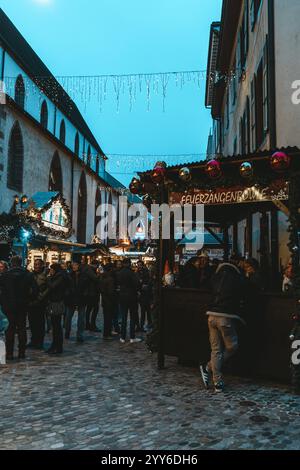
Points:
(97, 88)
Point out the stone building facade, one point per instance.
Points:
(45, 144)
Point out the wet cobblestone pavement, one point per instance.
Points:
(103, 395)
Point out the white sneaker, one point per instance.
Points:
(122, 341)
(135, 340)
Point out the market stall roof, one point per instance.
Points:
(43, 199)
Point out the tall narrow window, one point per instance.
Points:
(97, 163)
(76, 146)
(82, 210)
(20, 92)
(62, 132)
(98, 202)
(89, 156)
(15, 159)
(246, 29)
(55, 175)
(259, 105)
(265, 91)
(44, 115)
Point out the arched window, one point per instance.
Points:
(98, 202)
(62, 132)
(20, 92)
(55, 175)
(82, 209)
(76, 146)
(15, 159)
(44, 115)
(89, 156)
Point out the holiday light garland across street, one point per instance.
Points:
(95, 88)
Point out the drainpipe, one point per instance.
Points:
(272, 74)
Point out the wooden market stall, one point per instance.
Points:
(255, 199)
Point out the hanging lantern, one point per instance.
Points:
(185, 174)
(147, 201)
(135, 186)
(246, 170)
(159, 172)
(213, 169)
(280, 161)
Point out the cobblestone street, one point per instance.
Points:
(110, 396)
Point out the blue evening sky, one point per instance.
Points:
(93, 37)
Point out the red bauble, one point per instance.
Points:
(135, 186)
(280, 161)
(213, 169)
(159, 173)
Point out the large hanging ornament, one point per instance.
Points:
(246, 170)
(213, 169)
(185, 174)
(159, 172)
(135, 186)
(280, 161)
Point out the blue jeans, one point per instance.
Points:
(80, 320)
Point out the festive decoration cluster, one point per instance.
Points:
(279, 163)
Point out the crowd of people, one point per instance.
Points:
(199, 271)
(47, 298)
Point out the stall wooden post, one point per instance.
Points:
(162, 256)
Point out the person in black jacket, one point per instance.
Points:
(128, 283)
(228, 286)
(37, 309)
(189, 277)
(108, 294)
(18, 288)
(55, 294)
(144, 295)
(93, 297)
(77, 294)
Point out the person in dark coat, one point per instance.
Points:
(93, 297)
(128, 283)
(228, 288)
(37, 308)
(17, 288)
(76, 297)
(117, 309)
(55, 294)
(144, 295)
(189, 277)
(108, 294)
